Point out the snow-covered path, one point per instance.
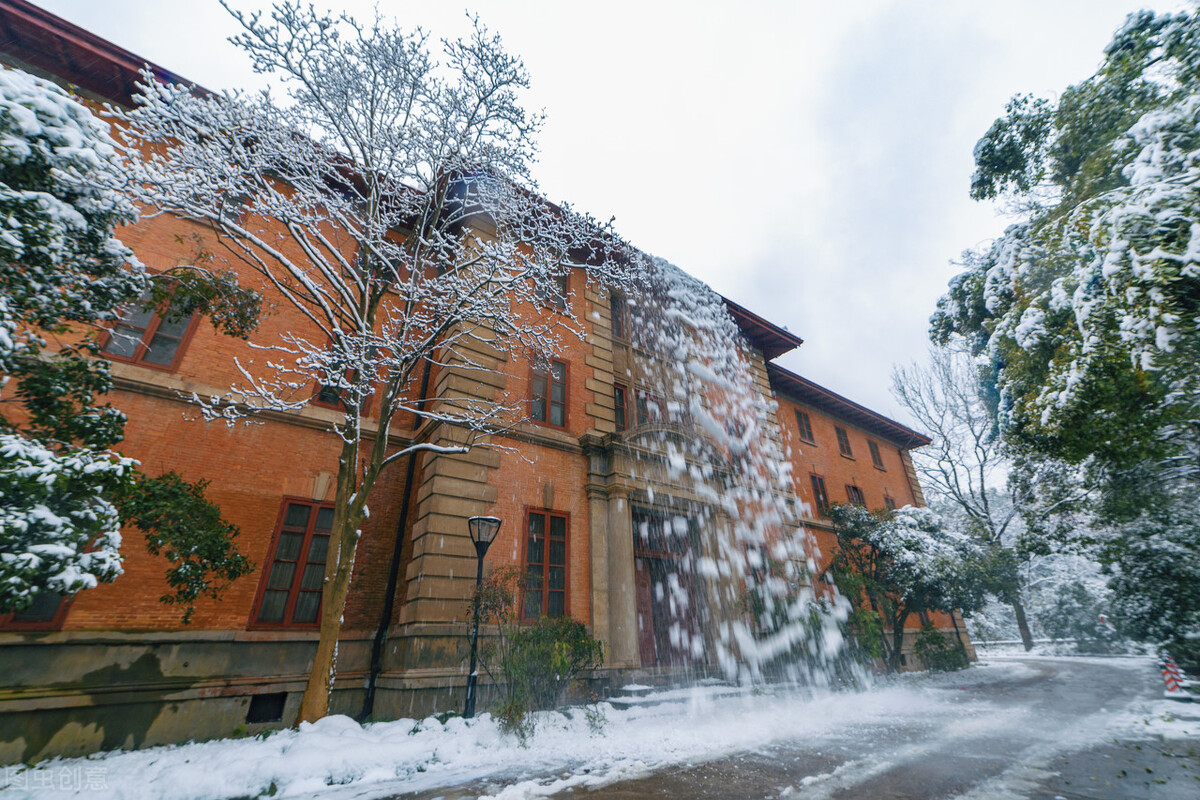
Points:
(993, 731)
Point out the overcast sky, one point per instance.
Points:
(809, 160)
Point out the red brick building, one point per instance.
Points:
(114, 667)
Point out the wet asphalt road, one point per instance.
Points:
(1043, 732)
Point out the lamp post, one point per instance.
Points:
(483, 531)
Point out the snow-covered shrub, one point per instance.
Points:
(58, 532)
(901, 563)
(532, 667)
(937, 653)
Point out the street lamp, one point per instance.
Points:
(483, 531)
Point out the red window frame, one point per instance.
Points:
(542, 386)
(557, 292)
(320, 402)
(616, 310)
(546, 576)
(302, 581)
(647, 404)
(22, 621)
(146, 337)
(620, 411)
(820, 496)
(855, 495)
(805, 426)
(876, 456)
(843, 439)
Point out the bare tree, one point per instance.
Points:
(388, 200)
(964, 465)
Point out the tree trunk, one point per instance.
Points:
(1022, 624)
(343, 541)
(897, 641)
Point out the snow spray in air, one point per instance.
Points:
(725, 570)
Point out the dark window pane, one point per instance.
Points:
(616, 307)
(44, 607)
(329, 396)
(272, 606)
(314, 576)
(318, 549)
(289, 545)
(557, 415)
(173, 329)
(558, 371)
(307, 605)
(537, 408)
(558, 527)
(139, 316)
(557, 578)
(558, 552)
(558, 392)
(123, 341)
(533, 605)
(537, 525)
(161, 351)
(557, 604)
(534, 554)
(533, 577)
(297, 516)
(324, 519)
(281, 576)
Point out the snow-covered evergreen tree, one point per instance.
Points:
(62, 274)
(1087, 311)
(59, 264)
(892, 565)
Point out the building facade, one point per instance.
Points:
(593, 487)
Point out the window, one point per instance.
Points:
(616, 308)
(649, 408)
(143, 337)
(889, 503)
(805, 426)
(619, 406)
(855, 495)
(548, 403)
(329, 396)
(843, 442)
(556, 290)
(819, 495)
(546, 565)
(876, 457)
(46, 613)
(291, 589)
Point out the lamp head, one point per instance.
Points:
(483, 530)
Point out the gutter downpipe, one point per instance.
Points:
(389, 597)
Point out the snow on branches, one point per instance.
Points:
(59, 532)
(54, 159)
(386, 202)
(59, 265)
(1088, 310)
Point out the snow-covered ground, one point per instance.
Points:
(338, 758)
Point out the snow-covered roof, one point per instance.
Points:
(804, 390)
(33, 37)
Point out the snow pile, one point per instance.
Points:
(912, 718)
(714, 432)
(406, 755)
